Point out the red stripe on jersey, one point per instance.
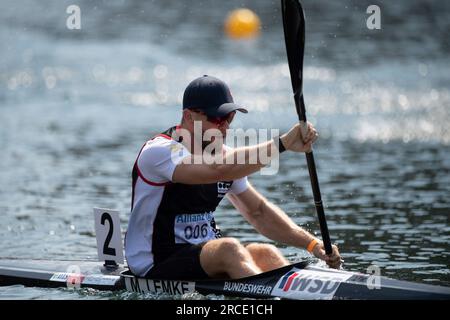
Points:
(156, 184)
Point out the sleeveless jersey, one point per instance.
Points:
(164, 214)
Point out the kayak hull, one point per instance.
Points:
(299, 281)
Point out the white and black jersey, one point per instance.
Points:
(164, 214)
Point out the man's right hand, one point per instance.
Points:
(300, 137)
(333, 260)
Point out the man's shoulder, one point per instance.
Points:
(162, 146)
(161, 140)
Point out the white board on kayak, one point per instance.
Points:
(108, 234)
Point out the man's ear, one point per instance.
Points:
(187, 116)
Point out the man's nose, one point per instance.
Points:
(225, 125)
(223, 128)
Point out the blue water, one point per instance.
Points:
(76, 105)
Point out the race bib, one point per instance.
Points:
(195, 228)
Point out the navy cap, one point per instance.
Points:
(210, 95)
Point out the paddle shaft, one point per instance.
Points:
(300, 107)
(294, 33)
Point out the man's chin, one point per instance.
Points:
(216, 144)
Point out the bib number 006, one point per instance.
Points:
(196, 231)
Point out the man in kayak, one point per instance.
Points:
(172, 232)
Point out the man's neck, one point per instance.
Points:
(193, 145)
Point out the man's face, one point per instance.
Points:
(221, 124)
(213, 129)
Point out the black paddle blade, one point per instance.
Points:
(294, 35)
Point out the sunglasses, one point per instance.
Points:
(217, 120)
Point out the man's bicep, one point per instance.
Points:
(194, 173)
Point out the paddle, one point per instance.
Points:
(294, 35)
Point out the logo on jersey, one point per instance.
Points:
(222, 188)
(176, 147)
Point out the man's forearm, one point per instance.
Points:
(273, 223)
(244, 161)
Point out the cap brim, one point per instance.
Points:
(226, 108)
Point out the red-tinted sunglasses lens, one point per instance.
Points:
(221, 120)
(217, 121)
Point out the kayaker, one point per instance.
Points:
(172, 231)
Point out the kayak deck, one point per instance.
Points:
(296, 281)
(54, 274)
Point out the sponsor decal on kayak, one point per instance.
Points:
(158, 286)
(247, 288)
(60, 277)
(309, 284)
(75, 278)
(100, 280)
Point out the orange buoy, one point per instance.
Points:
(242, 23)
